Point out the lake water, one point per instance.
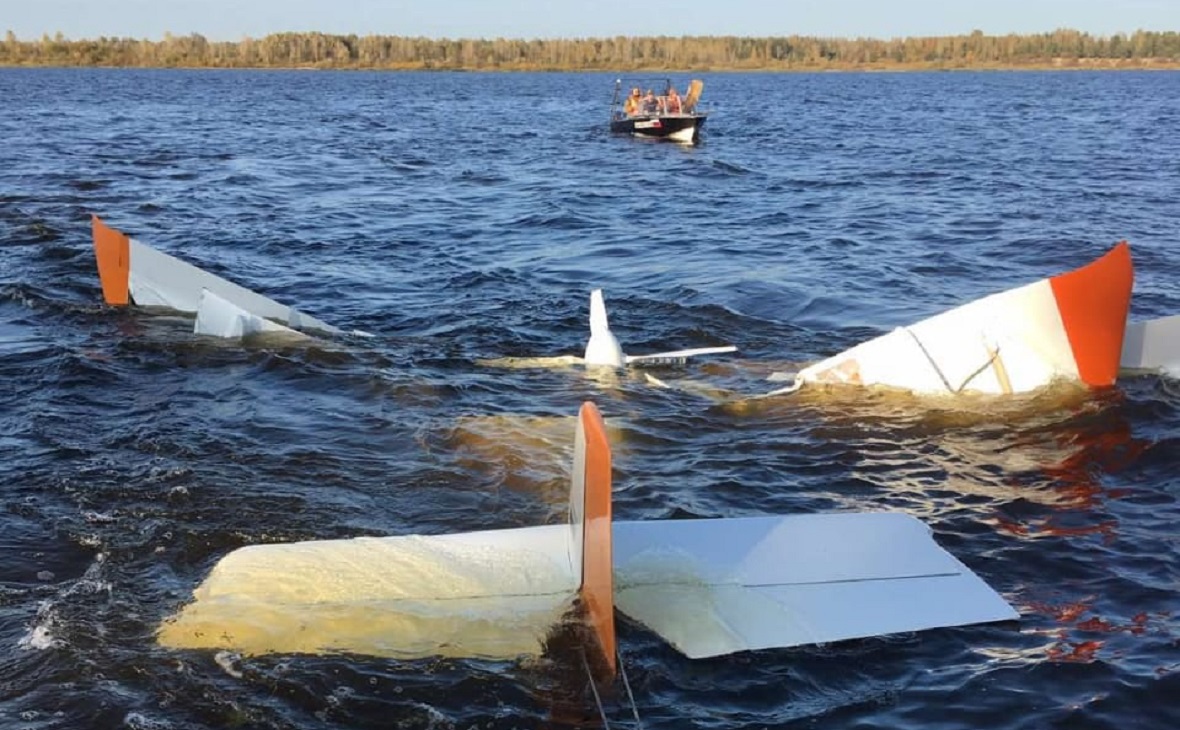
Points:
(459, 217)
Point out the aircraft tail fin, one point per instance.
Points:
(602, 348)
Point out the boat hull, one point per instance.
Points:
(684, 128)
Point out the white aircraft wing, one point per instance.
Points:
(133, 271)
(716, 586)
(491, 593)
(708, 586)
(1068, 326)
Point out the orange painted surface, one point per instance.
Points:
(597, 567)
(112, 249)
(1093, 302)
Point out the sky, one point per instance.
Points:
(232, 20)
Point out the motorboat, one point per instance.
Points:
(666, 116)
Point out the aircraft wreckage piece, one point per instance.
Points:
(1153, 345)
(1065, 327)
(708, 586)
(133, 272)
(493, 594)
(219, 317)
(603, 348)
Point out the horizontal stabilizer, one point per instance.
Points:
(677, 355)
(717, 586)
(1152, 345)
(219, 317)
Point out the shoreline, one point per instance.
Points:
(1054, 65)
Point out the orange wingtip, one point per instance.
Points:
(112, 249)
(597, 589)
(1093, 302)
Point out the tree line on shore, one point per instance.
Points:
(1060, 48)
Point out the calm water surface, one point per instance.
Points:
(465, 216)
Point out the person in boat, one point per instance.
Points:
(672, 101)
(631, 104)
(650, 104)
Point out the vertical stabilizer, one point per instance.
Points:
(603, 348)
(590, 522)
(112, 250)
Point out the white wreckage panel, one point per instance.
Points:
(1153, 345)
(157, 279)
(713, 587)
(493, 594)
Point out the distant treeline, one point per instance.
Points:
(1061, 48)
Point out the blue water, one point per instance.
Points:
(459, 217)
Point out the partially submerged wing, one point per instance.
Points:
(1069, 326)
(493, 593)
(1152, 345)
(716, 586)
(133, 271)
(558, 361)
(488, 594)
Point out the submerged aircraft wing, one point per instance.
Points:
(489, 594)
(135, 272)
(717, 586)
(1152, 345)
(492, 593)
(1068, 326)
